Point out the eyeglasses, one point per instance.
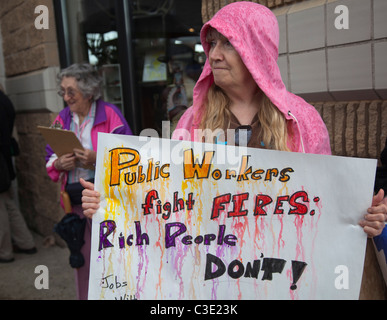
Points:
(70, 93)
(243, 135)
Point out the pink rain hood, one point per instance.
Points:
(253, 31)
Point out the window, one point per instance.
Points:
(148, 53)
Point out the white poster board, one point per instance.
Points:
(234, 223)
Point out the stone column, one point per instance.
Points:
(31, 63)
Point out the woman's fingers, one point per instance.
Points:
(90, 198)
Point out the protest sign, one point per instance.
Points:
(184, 220)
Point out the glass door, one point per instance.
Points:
(147, 51)
(168, 56)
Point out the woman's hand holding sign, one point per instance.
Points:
(374, 221)
(90, 198)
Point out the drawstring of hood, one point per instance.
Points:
(299, 129)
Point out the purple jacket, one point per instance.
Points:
(108, 119)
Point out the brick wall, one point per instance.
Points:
(356, 128)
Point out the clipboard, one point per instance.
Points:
(61, 141)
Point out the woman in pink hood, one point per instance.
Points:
(241, 87)
(241, 84)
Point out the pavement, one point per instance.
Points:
(22, 280)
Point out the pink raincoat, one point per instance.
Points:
(253, 31)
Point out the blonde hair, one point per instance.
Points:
(217, 116)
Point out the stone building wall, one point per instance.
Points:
(31, 61)
(356, 128)
(26, 48)
(210, 7)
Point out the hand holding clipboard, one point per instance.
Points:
(65, 142)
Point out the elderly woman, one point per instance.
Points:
(241, 88)
(86, 114)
